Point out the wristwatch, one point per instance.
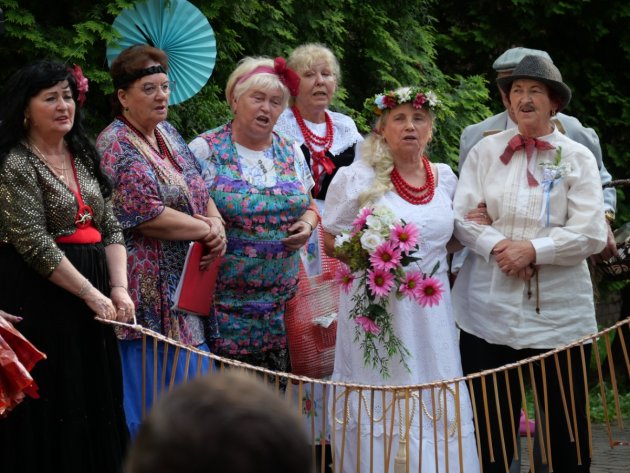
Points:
(610, 216)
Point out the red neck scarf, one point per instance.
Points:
(529, 144)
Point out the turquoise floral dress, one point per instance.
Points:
(259, 201)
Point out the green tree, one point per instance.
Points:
(588, 41)
(380, 44)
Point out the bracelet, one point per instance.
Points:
(610, 216)
(85, 287)
(309, 224)
(112, 286)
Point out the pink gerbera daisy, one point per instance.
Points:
(359, 222)
(380, 282)
(368, 325)
(411, 285)
(386, 256)
(430, 292)
(406, 236)
(344, 277)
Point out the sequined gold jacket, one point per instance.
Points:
(36, 207)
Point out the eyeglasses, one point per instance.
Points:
(150, 88)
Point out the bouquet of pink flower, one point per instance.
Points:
(375, 254)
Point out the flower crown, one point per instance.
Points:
(419, 98)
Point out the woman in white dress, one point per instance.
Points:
(394, 172)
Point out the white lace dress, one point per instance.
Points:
(430, 336)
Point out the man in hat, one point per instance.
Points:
(570, 126)
(501, 321)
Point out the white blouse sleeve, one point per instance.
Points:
(342, 199)
(301, 168)
(447, 179)
(201, 149)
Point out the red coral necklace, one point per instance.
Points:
(162, 149)
(310, 138)
(415, 195)
(318, 157)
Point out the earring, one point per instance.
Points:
(26, 123)
(126, 109)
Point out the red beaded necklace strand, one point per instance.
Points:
(163, 151)
(415, 195)
(310, 138)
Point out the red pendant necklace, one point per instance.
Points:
(415, 195)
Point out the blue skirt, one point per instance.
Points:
(131, 356)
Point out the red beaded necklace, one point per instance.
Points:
(415, 195)
(310, 138)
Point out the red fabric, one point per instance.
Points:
(86, 232)
(82, 236)
(520, 142)
(17, 358)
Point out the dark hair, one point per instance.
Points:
(228, 423)
(130, 61)
(17, 93)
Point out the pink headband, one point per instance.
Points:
(286, 75)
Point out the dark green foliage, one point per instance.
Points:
(588, 40)
(380, 44)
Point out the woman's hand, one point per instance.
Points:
(11, 318)
(479, 215)
(300, 232)
(102, 306)
(513, 256)
(123, 304)
(215, 240)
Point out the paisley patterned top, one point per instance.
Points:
(37, 208)
(144, 184)
(258, 274)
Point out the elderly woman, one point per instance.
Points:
(261, 184)
(328, 139)
(395, 173)
(525, 288)
(62, 262)
(162, 204)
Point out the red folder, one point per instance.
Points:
(195, 291)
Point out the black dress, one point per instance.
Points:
(77, 424)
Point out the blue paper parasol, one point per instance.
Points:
(180, 30)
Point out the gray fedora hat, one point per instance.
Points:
(541, 69)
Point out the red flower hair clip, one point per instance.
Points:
(287, 76)
(81, 81)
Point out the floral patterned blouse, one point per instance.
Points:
(144, 185)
